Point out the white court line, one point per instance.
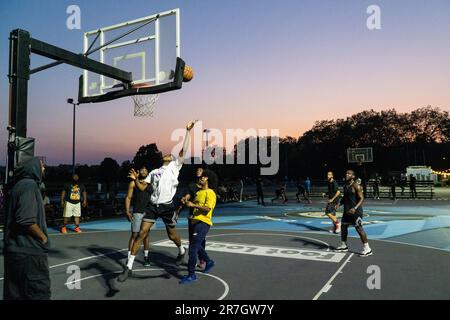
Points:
(268, 234)
(94, 256)
(225, 284)
(327, 286)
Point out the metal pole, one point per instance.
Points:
(206, 131)
(19, 74)
(73, 141)
(74, 104)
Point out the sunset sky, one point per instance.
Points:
(262, 64)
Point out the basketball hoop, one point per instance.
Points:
(144, 104)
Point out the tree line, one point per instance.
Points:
(421, 137)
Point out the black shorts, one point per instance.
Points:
(352, 219)
(331, 208)
(26, 277)
(166, 212)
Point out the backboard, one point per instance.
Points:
(149, 48)
(359, 155)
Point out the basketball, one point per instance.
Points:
(188, 74)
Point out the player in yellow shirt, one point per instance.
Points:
(201, 220)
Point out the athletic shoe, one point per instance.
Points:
(77, 230)
(188, 279)
(342, 248)
(124, 275)
(209, 265)
(366, 252)
(180, 258)
(147, 262)
(63, 230)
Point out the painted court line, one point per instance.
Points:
(267, 234)
(94, 257)
(267, 251)
(225, 284)
(328, 285)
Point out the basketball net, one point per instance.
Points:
(144, 104)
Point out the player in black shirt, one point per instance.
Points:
(141, 200)
(353, 213)
(333, 198)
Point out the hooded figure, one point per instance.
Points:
(26, 239)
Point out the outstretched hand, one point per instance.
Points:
(133, 174)
(190, 125)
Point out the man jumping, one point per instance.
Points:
(164, 182)
(353, 212)
(333, 196)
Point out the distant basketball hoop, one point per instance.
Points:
(360, 155)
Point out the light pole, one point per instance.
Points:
(206, 131)
(71, 101)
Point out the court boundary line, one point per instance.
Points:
(225, 284)
(328, 285)
(353, 237)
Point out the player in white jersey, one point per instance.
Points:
(164, 182)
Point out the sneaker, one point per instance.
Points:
(63, 230)
(77, 230)
(342, 248)
(124, 275)
(366, 252)
(188, 279)
(147, 262)
(180, 258)
(209, 265)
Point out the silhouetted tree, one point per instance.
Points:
(109, 172)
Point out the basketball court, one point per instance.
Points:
(276, 252)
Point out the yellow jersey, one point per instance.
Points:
(204, 198)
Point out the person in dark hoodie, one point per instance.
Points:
(25, 239)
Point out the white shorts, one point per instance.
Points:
(72, 210)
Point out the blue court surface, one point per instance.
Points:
(420, 222)
(276, 252)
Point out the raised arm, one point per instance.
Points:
(186, 141)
